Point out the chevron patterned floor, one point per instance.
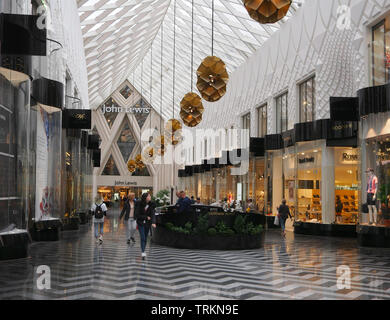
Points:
(300, 267)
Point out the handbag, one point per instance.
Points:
(276, 221)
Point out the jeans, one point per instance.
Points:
(143, 232)
(131, 227)
(98, 225)
(282, 223)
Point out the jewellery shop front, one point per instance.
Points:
(315, 168)
(374, 107)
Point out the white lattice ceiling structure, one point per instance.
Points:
(122, 40)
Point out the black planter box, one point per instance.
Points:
(370, 236)
(46, 230)
(165, 237)
(14, 245)
(328, 230)
(69, 224)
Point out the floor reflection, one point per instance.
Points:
(297, 267)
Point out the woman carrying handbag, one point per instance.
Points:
(145, 216)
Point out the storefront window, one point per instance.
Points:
(246, 123)
(281, 113)
(16, 200)
(289, 181)
(73, 167)
(376, 187)
(309, 184)
(381, 52)
(346, 185)
(262, 121)
(259, 176)
(307, 100)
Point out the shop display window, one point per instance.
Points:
(347, 185)
(381, 52)
(73, 168)
(376, 183)
(289, 181)
(207, 182)
(269, 186)
(259, 177)
(309, 186)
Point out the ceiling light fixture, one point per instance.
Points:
(267, 11)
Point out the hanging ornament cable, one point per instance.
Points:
(212, 28)
(174, 58)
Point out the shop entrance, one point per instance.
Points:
(113, 196)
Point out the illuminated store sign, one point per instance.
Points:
(125, 183)
(113, 109)
(348, 157)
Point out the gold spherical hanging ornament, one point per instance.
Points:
(159, 144)
(191, 109)
(189, 119)
(131, 166)
(138, 161)
(172, 133)
(212, 79)
(267, 11)
(148, 154)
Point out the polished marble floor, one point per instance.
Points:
(299, 267)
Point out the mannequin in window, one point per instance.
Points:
(372, 188)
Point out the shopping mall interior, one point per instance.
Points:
(194, 149)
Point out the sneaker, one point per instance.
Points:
(132, 239)
(101, 238)
(143, 255)
(128, 241)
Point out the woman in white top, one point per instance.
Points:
(99, 210)
(128, 211)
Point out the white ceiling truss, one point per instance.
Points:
(122, 40)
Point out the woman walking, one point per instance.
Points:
(128, 212)
(284, 213)
(145, 216)
(99, 210)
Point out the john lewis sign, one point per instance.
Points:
(113, 109)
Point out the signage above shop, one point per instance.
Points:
(76, 119)
(374, 100)
(125, 183)
(48, 94)
(20, 35)
(350, 157)
(114, 109)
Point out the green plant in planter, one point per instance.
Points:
(203, 224)
(223, 229)
(253, 230)
(239, 224)
(212, 232)
(169, 225)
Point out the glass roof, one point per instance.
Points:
(122, 40)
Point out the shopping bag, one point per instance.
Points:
(276, 221)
